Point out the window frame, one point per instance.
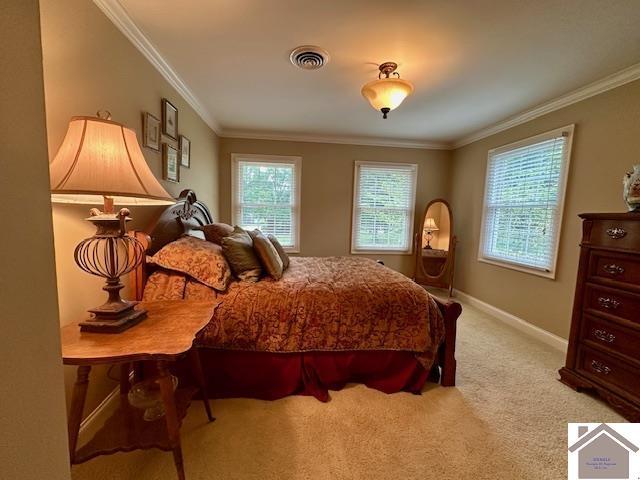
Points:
(257, 158)
(562, 182)
(356, 189)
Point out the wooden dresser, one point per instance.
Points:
(604, 343)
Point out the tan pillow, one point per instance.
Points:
(283, 255)
(215, 232)
(267, 254)
(238, 248)
(201, 260)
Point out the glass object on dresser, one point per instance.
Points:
(435, 246)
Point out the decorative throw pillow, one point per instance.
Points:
(283, 255)
(267, 254)
(215, 232)
(201, 260)
(238, 248)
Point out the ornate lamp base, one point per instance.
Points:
(110, 253)
(107, 319)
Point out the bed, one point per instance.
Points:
(328, 322)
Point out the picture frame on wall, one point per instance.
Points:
(169, 119)
(150, 131)
(185, 151)
(170, 163)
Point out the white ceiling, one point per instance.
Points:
(473, 62)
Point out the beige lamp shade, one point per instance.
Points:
(430, 225)
(387, 92)
(101, 158)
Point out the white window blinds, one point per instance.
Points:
(524, 196)
(266, 195)
(383, 207)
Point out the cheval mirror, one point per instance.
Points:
(435, 247)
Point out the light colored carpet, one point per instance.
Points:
(506, 419)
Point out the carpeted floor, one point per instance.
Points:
(506, 419)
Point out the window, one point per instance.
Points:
(523, 202)
(266, 195)
(383, 207)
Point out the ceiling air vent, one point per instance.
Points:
(309, 57)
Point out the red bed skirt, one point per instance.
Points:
(270, 376)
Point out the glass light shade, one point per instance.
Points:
(98, 158)
(430, 225)
(387, 92)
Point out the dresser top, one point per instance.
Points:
(611, 216)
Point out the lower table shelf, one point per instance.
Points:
(126, 430)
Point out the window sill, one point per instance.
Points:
(519, 268)
(381, 252)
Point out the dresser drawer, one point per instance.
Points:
(616, 233)
(613, 302)
(609, 371)
(604, 334)
(611, 267)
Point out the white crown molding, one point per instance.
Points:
(610, 82)
(518, 323)
(121, 19)
(369, 141)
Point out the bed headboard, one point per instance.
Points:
(186, 216)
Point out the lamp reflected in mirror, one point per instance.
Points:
(429, 227)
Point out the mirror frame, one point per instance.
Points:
(445, 278)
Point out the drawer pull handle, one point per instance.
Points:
(616, 232)
(608, 303)
(604, 335)
(600, 367)
(613, 269)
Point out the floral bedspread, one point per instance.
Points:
(320, 304)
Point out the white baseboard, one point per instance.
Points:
(100, 413)
(518, 323)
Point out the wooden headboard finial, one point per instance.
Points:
(186, 216)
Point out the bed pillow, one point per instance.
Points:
(201, 260)
(283, 255)
(238, 248)
(267, 254)
(215, 232)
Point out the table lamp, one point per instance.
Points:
(100, 163)
(429, 227)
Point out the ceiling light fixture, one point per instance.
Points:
(386, 94)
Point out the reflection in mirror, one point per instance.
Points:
(435, 238)
(435, 247)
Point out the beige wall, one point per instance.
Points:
(606, 144)
(32, 415)
(327, 188)
(89, 65)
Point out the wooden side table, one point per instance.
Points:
(165, 335)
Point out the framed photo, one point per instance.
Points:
(185, 152)
(170, 163)
(169, 119)
(150, 131)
